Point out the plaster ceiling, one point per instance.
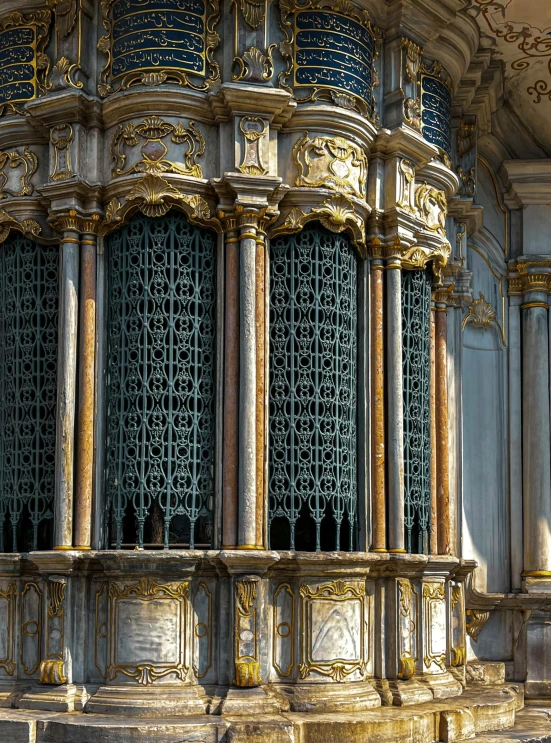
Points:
(521, 34)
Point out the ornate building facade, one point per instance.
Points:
(275, 449)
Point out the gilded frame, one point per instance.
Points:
(162, 74)
(337, 96)
(40, 21)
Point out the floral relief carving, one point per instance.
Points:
(331, 162)
(432, 207)
(26, 164)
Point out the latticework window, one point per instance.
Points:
(313, 395)
(416, 296)
(161, 389)
(28, 392)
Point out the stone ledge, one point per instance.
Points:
(476, 711)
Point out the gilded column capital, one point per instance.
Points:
(74, 222)
(529, 275)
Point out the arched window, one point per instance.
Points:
(416, 296)
(28, 392)
(161, 367)
(313, 396)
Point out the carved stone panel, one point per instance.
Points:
(333, 631)
(434, 627)
(8, 598)
(331, 162)
(283, 630)
(407, 628)
(30, 651)
(202, 631)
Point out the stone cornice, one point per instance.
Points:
(528, 182)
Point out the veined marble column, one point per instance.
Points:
(87, 362)
(442, 435)
(536, 433)
(261, 318)
(247, 383)
(395, 427)
(378, 494)
(66, 386)
(433, 468)
(515, 440)
(231, 388)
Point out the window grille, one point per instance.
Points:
(28, 392)
(161, 387)
(313, 396)
(416, 297)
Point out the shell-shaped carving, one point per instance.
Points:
(253, 12)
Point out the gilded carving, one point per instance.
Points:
(434, 597)
(412, 112)
(56, 597)
(41, 21)
(475, 622)
(337, 214)
(331, 162)
(407, 195)
(9, 595)
(13, 160)
(127, 601)
(152, 192)
(65, 16)
(432, 207)
(150, 134)
(254, 12)
(28, 227)
(330, 612)
(253, 129)
(52, 672)
(62, 75)
(413, 59)
(247, 659)
(482, 315)
(408, 606)
(467, 182)
(466, 138)
(197, 80)
(61, 137)
(254, 65)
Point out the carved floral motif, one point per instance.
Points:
(331, 162)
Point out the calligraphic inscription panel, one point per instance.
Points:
(18, 64)
(436, 104)
(333, 51)
(158, 35)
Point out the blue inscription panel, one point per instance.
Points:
(333, 51)
(436, 112)
(153, 35)
(17, 65)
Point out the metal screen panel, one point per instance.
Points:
(416, 297)
(28, 392)
(161, 388)
(313, 395)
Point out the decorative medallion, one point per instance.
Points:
(24, 66)
(61, 137)
(331, 162)
(254, 130)
(150, 42)
(330, 50)
(151, 134)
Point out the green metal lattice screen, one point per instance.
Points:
(161, 388)
(416, 297)
(28, 392)
(313, 395)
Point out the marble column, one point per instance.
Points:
(515, 440)
(231, 388)
(442, 434)
(536, 435)
(378, 494)
(261, 377)
(395, 426)
(433, 468)
(247, 383)
(86, 403)
(66, 387)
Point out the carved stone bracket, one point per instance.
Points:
(28, 227)
(482, 315)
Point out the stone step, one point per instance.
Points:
(477, 711)
(532, 725)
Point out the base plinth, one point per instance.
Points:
(64, 698)
(134, 701)
(322, 698)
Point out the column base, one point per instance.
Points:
(253, 701)
(63, 698)
(323, 697)
(403, 693)
(443, 686)
(152, 701)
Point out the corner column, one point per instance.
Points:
(231, 388)
(396, 532)
(442, 434)
(536, 429)
(86, 404)
(247, 379)
(378, 408)
(66, 389)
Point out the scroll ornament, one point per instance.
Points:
(331, 162)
